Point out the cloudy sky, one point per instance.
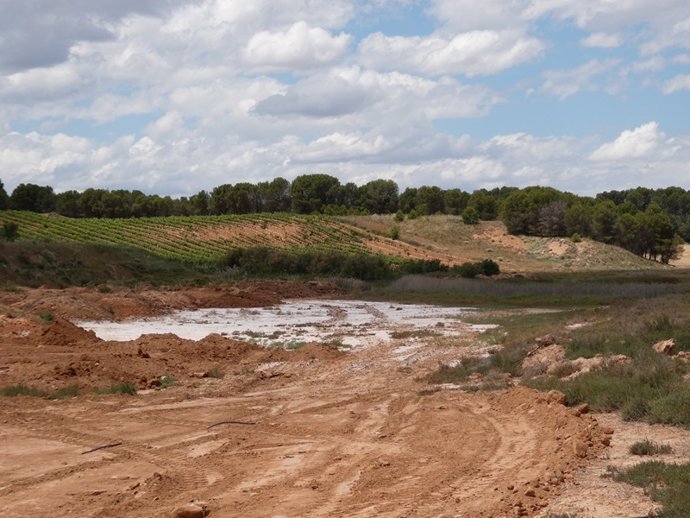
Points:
(175, 96)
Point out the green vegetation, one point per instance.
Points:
(24, 390)
(668, 484)
(268, 261)
(46, 317)
(215, 372)
(649, 223)
(127, 388)
(648, 447)
(166, 382)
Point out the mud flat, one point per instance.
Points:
(351, 323)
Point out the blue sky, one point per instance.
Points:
(175, 96)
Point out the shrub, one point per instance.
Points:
(470, 270)
(470, 216)
(119, 388)
(648, 447)
(395, 232)
(665, 483)
(9, 231)
(576, 238)
(399, 216)
(46, 317)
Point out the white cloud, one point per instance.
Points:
(631, 144)
(467, 15)
(470, 53)
(602, 40)
(564, 83)
(677, 84)
(299, 47)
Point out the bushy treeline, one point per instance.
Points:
(306, 194)
(649, 228)
(647, 222)
(271, 261)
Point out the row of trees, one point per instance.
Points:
(306, 194)
(647, 222)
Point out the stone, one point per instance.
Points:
(190, 511)
(555, 396)
(665, 346)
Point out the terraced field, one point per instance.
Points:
(195, 238)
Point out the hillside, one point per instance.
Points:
(205, 239)
(449, 239)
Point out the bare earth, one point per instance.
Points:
(312, 432)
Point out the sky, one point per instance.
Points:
(176, 96)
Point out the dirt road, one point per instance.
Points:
(313, 432)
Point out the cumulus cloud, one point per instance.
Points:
(41, 33)
(630, 144)
(470, 53)
(300, 46)
(392, 96)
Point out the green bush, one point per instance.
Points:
(648, 447)
(119, 388)
(468, 270)
(665, 483)
(470, 216)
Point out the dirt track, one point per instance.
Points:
(316, 432)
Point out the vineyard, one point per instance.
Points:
(197, 238)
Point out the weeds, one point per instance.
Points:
(668, 484)
(46, 317)
(24, 390)
(127, 388)
(214, 373)
(648, 447)
(165, 382)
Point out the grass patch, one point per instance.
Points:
(24, 390)
(214, 373)
(45, 317)
(668, 484)
(650, 388)
(127, 388)
(648, 447)
(166, 382)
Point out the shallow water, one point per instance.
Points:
(347, 322)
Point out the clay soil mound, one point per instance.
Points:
(63, 332)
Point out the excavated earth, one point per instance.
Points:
(312, 432)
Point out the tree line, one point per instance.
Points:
(648, 222)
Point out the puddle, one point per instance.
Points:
(345, 322)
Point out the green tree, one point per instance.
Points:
(605, 221)
(312, 192)
(4, 199)
(32, 197)
(485, 203)
(379, 197)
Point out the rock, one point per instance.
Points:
(554, 396)
(530, 493)
(683, 356)
(190, 511)
(665, 346)
(580, 449)
(581, 409)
